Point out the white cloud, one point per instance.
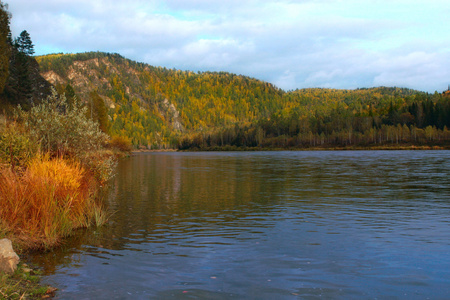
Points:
(419, 70)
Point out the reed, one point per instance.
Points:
(45, 203)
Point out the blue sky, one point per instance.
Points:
(292, 44)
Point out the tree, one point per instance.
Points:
(70, 94)
(5, 47)
(98, 111)
(23, 43)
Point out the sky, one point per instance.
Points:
(344, 44)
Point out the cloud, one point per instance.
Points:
(293, 44)
(420, 70)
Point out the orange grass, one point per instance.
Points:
(50, 199)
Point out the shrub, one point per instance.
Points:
(63, 129)
(17, 148)
(101, 164)
(122, 143)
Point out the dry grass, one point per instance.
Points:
(45, 203)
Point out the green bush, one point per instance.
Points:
(17, 147)
(101, 163)
(63, 129)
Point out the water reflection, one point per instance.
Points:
(267, 225)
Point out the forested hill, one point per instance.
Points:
(158, 107)
(153, 104)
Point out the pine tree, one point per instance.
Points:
(24, 44)
(70, 94)
(5, 49)
(98, 111)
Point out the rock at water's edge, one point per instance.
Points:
(8, 258)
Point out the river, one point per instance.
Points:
(266, 225)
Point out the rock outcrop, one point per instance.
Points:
(8, 258)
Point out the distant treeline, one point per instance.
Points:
(364, 120)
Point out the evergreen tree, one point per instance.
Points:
(20, 66)
(24, 44)
(70, 94)
(5, 49)
(98, 111)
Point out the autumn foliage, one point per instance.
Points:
(165, 108)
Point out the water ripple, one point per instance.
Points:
(270, 225)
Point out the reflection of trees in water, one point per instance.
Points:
(155, 195)
(164, 197)
(152, 190)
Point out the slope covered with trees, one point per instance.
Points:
(165, 108)
(155, 106)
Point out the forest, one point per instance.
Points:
(160, 108)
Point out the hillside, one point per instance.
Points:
(158, 107)
(153, 104)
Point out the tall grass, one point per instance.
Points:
(47, 201)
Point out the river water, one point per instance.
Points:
(266, 225)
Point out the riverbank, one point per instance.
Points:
(24, 284)
(54, 162)
(312, 148)
(323, 148)
(137, 151)
(41, 206)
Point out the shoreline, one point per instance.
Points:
(136, 151)
(324, 148)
